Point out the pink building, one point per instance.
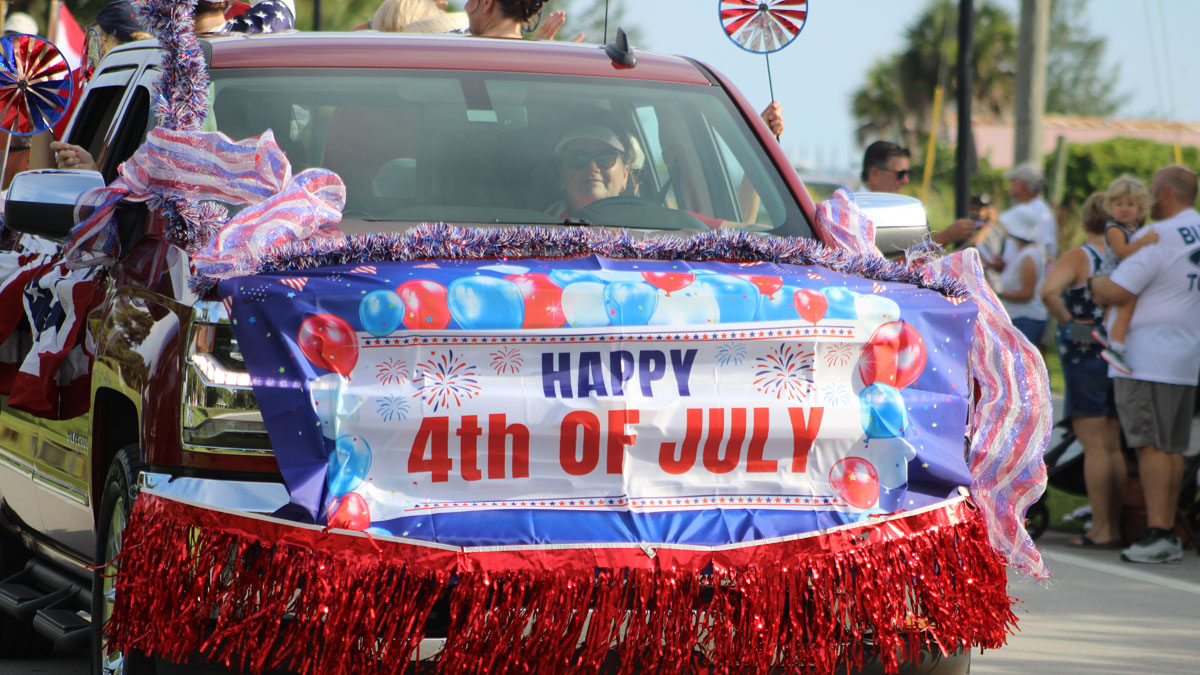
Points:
(994, 136)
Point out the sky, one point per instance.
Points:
(815, 76)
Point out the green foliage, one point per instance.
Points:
(1092, 167)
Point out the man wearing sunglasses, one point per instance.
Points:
(885, 169)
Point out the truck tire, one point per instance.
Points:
(120, 489)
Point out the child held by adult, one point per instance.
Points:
(1127, 201)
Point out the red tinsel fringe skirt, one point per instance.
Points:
(258, 593)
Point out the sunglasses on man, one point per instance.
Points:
(579, 160)
(900, 175)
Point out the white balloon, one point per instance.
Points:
(890, 457)
(695, 305)
(583, 305)
(874, 311)
(334, 404)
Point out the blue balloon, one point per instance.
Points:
(381, 312)
(883, 414)
(777, 307)
(841, 303)
(630, 303)
(486, 303)
(348, 465)
(737, 298)
(565, 278)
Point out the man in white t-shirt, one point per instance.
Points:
(1155, 403)
(1025, 188)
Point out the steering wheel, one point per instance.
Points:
(637, 212)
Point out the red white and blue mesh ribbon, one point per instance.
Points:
(1012, 418)
(209, 167)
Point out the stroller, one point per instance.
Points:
(1064, 470)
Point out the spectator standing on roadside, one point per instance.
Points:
(1155, 404)
(1021, 280)
(1128, 201)
(885, 168)
(1089, 393)
(1025, 189)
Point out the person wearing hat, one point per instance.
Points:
(116, 24)
(1025, 189)
(594, 163)
(20, 22)
(1021, 280)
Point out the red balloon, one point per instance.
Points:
(855, 481)
(425, 305)
(766, 285)
(543, 300)
(894, 355)
(669, 281)
(330, 342)
(349, 512)
(810, 304)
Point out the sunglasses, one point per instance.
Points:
(582, 159)
(901, 174)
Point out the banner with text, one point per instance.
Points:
(596, 400)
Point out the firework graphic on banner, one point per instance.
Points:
(392, 407)
(839, 354)
(785, 372)
(731, 354)
(392, 371)
(446, 380)
(837, 394)
(507, 361)
(35, 84)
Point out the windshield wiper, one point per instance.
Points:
(577, 221)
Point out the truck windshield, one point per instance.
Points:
(478, 147)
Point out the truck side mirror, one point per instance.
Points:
(900, 221)
(42, 202)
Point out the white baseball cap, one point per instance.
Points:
(1028, 172)
(20, 22)
(593, 132)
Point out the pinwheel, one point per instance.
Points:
(763, 27)
(35, 86)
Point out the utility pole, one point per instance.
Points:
(1033, 35)
(964, 153)
(316, 15)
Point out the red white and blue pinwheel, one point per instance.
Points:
(35, 84)
(763, 27)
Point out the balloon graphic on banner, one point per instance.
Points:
(542, 298)
(810, 304)
(334, 403)
(583, 305)
(424, 305)
(883, 414)
(874, 311)
(840, 303)
(329, 342)
(381, 313)
(348, 464)
(486, 303)
(630, 303)
(855, 481)
(778, 307)
(890, 456)
(766, 285)
(693, 306)
(564, 278)
(736, 297)
(349, 512)
(895, 354)
(669, 281)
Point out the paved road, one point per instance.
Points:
(1101, 615)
